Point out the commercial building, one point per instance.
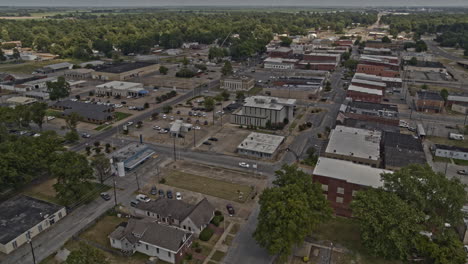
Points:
(191, 218)
(389, 81)
(377, 51)
(279, 63)
(178, 127)
(321, 57)
(260, 110)
(378, 70)
(281, 52)
(20, 100)
(317, 66)
(458, 103)
(389, 62)
(55, 68)
(295, 87)
(401, 150)
(133, 155)
(123, 89)
(341, 180)
(27, 84)
(92, 113)
(90, 64)
(79, 74)
(426, 66)
(23, 217)
(380, 113)
(38, 95)
(165, 242)
(369, 125)
(242, 83)
(364, 94)
(260, 145)
(124, 71)
(357, 145)
(427, 101)
(450, 152)
(420, 56)
(369, 84)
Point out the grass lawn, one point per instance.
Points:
(234, 229)
(218, 255)
(345, 232)
(44, 191)
(254, 91)
(103, 127)
(228, 240)
(222, 189)
(293, 125)
(99, 231)
(120, 115)
(27, 67)
(446, 141)
(50, 112)
(441, 159)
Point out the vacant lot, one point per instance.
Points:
(449, 142)
(44, 191)
(27, 67)
(222, 189)
(99, 232)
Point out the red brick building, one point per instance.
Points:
(427, 101)
(364, 94)
(281, 52)
(377, 70)
(322, 57)
(369, 84)
(341, 180)
(317, 66)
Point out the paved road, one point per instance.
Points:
(436, 50)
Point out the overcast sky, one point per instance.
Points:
(133, 3)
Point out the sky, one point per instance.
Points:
(134, 3)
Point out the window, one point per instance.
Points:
(28, 235)
(339, 199)
(157, 250)
(147, 248)
(185, 227)
(40, 227)
(354, 193)
(340, 190)
(148, 213)
(169, 254)
(60, 215)
(14, 244)
(113, 241)
(189, 228)
(325, 187)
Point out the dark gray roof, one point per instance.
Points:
(373, 106)
(202, 213)
(122, 67)
(163, 236)
(399, 157)
(21, 213)
(453, 148)
(93, 111)
(427, 95)
(429, 64)
(402, 141)
(351, 122)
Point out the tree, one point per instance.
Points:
(167, 109)
(185, 73)
(444, 93)
(73, 174)
(285, 41)
(146, 105)
(2, 55)
(289, 211)
(38, 112)
(227, 68)
(101, 166)
(163, 70)
(225, 94)
(185, 61)
(388, 225)
(386, 39)
(413, 61)
(412, 199)
(16, 54)
(351, 64)
(72, 136)
(346, 56)
(72, 120)
(58, 89)
(424, 86)
(86, 254)
(240, 95)
(328, 86)
(209, 104)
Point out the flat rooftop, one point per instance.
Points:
(349, 172)
(371, 77)
(355, 142)
(373, 106)
(259, 142)
(122, 67)
(268, 102)
(120, 85)
(357, 81)
(364, 90)
(133, 154)
(21, 213)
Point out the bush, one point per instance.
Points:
(162, 181)
(217, 212)
(206, 234)
(217, 220)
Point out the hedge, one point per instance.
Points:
(206, 234)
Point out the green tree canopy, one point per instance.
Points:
(86, 254)
(38, 112)
(227, 68)
(59, 89)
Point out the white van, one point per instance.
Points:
(456, 136)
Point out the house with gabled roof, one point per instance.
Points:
(192, 218)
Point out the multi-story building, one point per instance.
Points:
(281, 52)
(260, 145)
(341, 180)
(22, 218)
(243, 83)
(279, 63)
(369, 84)
(426, 66)
(427, 101)
(123, 71)
(380, 113)
(356, 145)
(389, 81)
(378, 70)
(458, 103)
(358, 93)
(259, 110)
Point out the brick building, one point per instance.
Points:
(281, 52)
(377, 70)
(427, 101)
(341, 180)
(364, 94)
(369, 84)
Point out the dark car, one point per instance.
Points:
(123, 102)
(161, 193)
(207, 143)
(169, 194)
(105, 196)
(153, 190)
(213, 139)
(230, 210)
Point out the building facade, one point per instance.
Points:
(260, 145)
(237, 83)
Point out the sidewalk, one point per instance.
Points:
(219, 245)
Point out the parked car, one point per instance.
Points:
(85, 135)
(169, 194)
(50, 118)
(156, 127)
(161, 193)
(207, 143)
(105, 196)
(143, 198)
(196, 127)
(230, 209)
(243, 165)
(171, 118)
(164, 116)
(134, 203)
(153, 190)
(178, 196)
(462, 172)
(178, 112)
(213, 139)
(129, 123)
(163, 131)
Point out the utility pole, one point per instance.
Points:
(194, 140)
(175, 158)
(32, 247)
(138, 182)
(115, 192)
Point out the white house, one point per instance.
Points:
(450, 152)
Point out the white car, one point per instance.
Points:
(50, 118)
(178, 196)
(171, 118)
(243, 165)
(118, 106)
(197, 128)
(128, 97)
(143, 198)
(73, 99)
(204, 114)
(163, 131)
(156, 127)
(164, 116)
(129, 123)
